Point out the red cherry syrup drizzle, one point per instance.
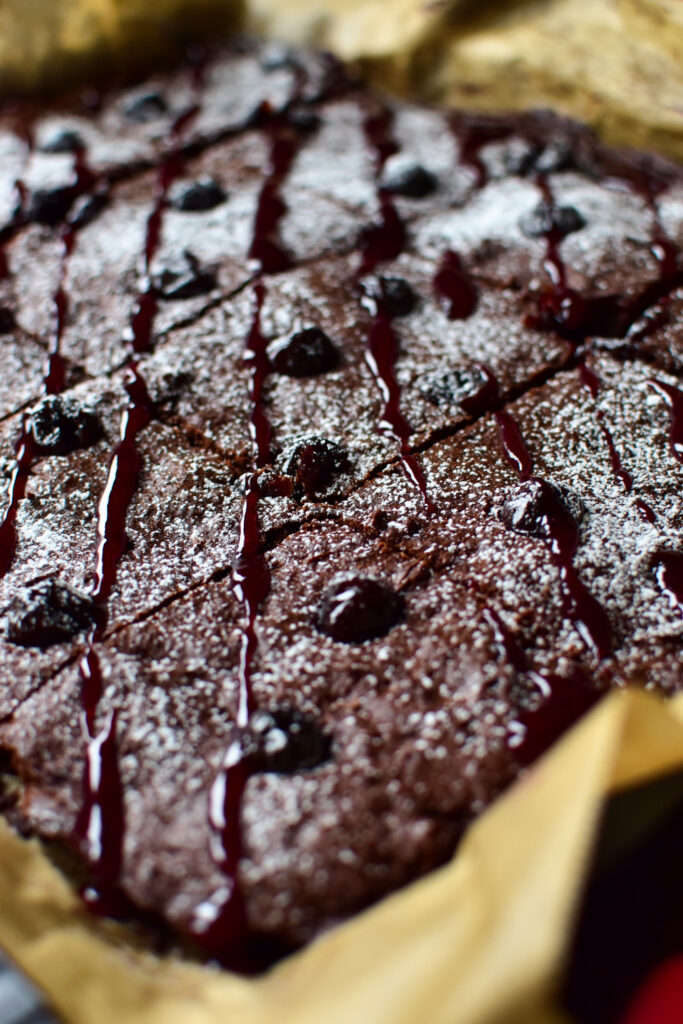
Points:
(453, 286)
(286, 138)
(55, 375)
(220, 926)
(562, 538)
(674, 400)
(54, 378)
(472, 135)
(267, 246)
(100, 826)
(383, 241)
(669, 564)
(562, 700)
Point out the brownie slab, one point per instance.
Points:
(341, 472)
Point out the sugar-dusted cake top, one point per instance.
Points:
(342, 448)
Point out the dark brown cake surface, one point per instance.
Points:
(341, 470)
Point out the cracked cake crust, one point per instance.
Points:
(364, 482)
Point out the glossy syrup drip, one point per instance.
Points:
(514, 448)
(25, 454)
(53, 382)
(381, 357)
(559, 702)
(220, 924)
(561, 535)
(382, 241)
(669, 574)
(100, 826)
(100, 823)
(266, 245)
(454, 287)
(472, 135)
(674, 400)
(560, 307)
(121, 486)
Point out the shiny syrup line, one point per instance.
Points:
(563, 700)
(54, 377)
(669, 564)
(100, 825)
(220, 925)
(588, 616)
(382, 241)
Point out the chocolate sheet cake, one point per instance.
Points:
(342, 461)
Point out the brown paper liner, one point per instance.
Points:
(44, 43)
(615, 64)
(481, 941)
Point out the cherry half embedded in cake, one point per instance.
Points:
(340, 474)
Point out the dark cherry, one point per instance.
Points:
(145, 106)
(50, 205)
(454, 287)
(60, 424)
(392, 296)
(313, 462)
(197, 196)
(306, 353)
(88, 207)
(49, 612)
(358, 608)
(7, 320)
(183, 277)
(284, 740)
(546, 219)
(525, 507)
(454, 385)
(405, 177)
(63, 140)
